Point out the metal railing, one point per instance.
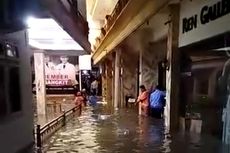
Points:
(41, 134)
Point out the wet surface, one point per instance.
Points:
(51, 113)
(124, 132)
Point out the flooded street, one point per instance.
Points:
(124, 132)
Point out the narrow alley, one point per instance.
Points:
(93, 76)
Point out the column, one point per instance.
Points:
(173, 73)
(109, 83)
(140, 76)
(117, 78)
(40, 81)
(103, 79)
(80, 82)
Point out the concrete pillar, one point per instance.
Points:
(103, 77)
(140, 77)
(117, 78)
(109, 80)
(173, 73)
(40, 81)
(140, 66)
(80, 82)
(122, 95)
(113, 80)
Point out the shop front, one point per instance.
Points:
(204, 42)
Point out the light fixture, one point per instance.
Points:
(165, 64)
(48, 35)
(121, 71)
(84, 72)
(101, 69)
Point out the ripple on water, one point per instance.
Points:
(97, 132)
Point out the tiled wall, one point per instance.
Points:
(129, 80)
(152, 54)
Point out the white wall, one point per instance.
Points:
(16, 132)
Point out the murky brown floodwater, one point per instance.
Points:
(125, 132)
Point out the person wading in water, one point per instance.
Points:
(143, 98)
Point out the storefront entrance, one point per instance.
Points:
(203, 87)
(204, 42)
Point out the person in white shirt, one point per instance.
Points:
(65, 68)
(49, 66)
(94, 87)
(49, 70)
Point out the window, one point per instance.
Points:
(11, 51)
(10, 95)
(2, 50)
(3, 106)
(14, 90)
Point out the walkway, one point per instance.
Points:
(51, 113)
(124, 132)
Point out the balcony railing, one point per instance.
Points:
(110, 20)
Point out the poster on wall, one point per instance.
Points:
(62, 74)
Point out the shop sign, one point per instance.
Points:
(58, 79)
(202, 19)
(60, 74)
(85, 62)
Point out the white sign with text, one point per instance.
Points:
(60, 75)
(203, 19)
(85, 62)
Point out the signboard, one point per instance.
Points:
(61, 74)
(57, 80)
(85, 62)
(202, 19)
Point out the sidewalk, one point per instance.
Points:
(51, 114)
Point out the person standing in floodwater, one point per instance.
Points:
(92, 99)
(143, 99)
(79, 99)
(94, 87)
(84, 95)
(157, 102)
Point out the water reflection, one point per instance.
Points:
(98, 131)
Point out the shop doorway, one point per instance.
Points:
(202, 97)
(161, 76)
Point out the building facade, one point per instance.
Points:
(16, 128)
(182, 48)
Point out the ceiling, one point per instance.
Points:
(96, 12)
(98, 9)
(46, 34)
(159, 29)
